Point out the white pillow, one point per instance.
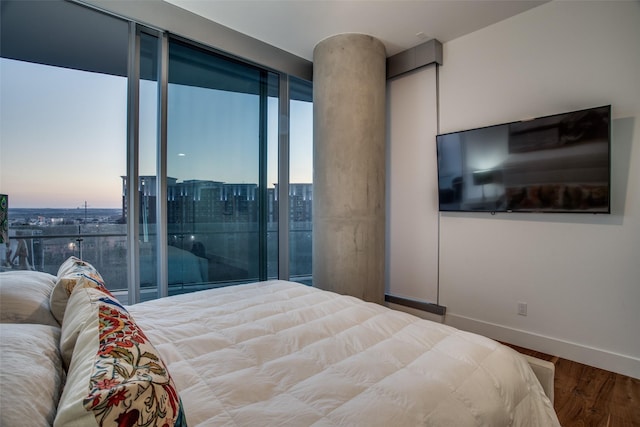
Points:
(31, 374)
(24, 297)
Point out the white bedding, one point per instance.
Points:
(283, 354)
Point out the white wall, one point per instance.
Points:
(579, 274)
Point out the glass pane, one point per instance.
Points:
(63, 117)
(272, 176)
(216, 123)
(147, 165)
(301, 181)
(63, 135)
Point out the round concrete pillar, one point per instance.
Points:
(349, 87)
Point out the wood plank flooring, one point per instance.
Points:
(586, 396)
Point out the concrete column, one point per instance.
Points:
(349, 87)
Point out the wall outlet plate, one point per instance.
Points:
(522, 308)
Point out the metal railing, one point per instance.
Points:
(107, 252)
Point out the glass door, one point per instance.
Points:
(216, 169)
(148, 166)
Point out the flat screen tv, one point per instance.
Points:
(558, 163)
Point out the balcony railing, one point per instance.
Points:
(107, 251)
(226, 255)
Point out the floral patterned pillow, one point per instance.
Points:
(116, 376)
(73, 272)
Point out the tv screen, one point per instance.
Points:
(556, 163)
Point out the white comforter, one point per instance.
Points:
(283, 354)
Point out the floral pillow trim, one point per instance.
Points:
(81, 272)
(130, 385)
(73, 273)
(85, 280)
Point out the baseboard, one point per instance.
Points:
(614, 362)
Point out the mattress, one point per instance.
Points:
(279, 353)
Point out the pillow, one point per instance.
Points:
(79, 309)
(74, 265)
(31, 374)
(73, 272)
(116, 376)
(24, 297)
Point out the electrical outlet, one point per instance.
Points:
(522, 308)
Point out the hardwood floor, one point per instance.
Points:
(588, 396)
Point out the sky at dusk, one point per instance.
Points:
(63, 136)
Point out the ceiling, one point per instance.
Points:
(296, 26)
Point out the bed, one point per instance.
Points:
(272, 353)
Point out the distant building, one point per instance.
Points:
(203, 201)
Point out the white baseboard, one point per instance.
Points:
(614, 362)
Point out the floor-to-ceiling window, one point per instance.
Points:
(63, 77)
(301, 180)
(67, 154)
(147, 158)
(216, 168)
